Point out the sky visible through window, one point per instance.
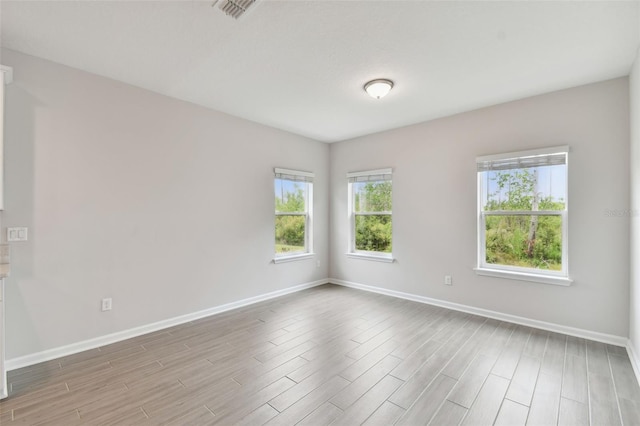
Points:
(551, 182)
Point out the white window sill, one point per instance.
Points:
(523, 276)
(293, 257)
(374, 257)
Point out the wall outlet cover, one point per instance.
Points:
(17, 234)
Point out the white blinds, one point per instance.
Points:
(524, 160)
(370, 176)
(293, 175)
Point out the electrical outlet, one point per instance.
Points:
(447, 280)
(318, 264)
(106, 304)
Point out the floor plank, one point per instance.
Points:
(387, 414)
(323, 415)
(362, 384)
(512, 414)
(486, 406)
(310, 402)
(574, 381)
(428, 403)
(448, 414)
(466, 389)
(603, 404)
(546, 400)
(573, 413)
(369, 403)
(509, 358)
(524, 380)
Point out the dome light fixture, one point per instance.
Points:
(378, 88)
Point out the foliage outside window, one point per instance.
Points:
(370, 212)
(522, 200)
(293, 200)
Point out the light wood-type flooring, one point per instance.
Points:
(333, 355)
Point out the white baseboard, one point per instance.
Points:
(24, 361)
(633, 357)
(571, 331)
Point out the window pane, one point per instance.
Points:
(524, 241)
(290, 234)
(290, 196)
(372, 196)
(373, 233)
(535, 188)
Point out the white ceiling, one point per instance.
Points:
(300, 65)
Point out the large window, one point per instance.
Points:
(293, 208)
(370, 214)
(522, 215)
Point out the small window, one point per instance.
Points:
(370, 214)
(522, 214)
(293, 207)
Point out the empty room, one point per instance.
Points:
(292, 212)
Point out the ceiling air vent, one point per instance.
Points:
(235, 8)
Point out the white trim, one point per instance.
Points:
(351, 235)
(387, 171)
(308, 214)
(293, 257)
(524, 276)
(382, 213)
(371, 256)
(633, 357)
(557, 328)
(73, 348)
(293, 172)
(8, 73)
(523, 212)
(351, 217)
(529, 153)
(515, 272)
(308, 230)
(4, 387)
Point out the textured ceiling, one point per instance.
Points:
(300, 65)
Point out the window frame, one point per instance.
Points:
(306, 178)
(352, 177)
(516, 272)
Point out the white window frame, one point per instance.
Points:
(366, 176)
(513, 272)
(307, 178)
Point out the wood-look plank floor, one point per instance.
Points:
(333, 355)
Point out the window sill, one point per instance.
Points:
(293, 257)
(523, 276)
(374, 257)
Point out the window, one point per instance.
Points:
(370, 214)
(522, 215)
(293, 207)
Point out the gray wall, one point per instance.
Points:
(434, 205)
(634, 332)
(166, 206)
(162, 205)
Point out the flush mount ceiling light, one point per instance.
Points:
(378, 88)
